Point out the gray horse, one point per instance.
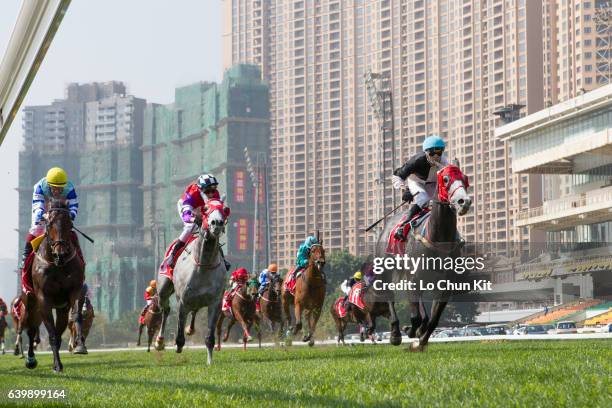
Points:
(199, 278)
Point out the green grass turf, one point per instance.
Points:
(525, 374)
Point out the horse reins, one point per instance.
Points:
(54, 243)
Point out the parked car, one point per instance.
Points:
(498, 329)
(532, 329)
(447, 333)
(566, 328)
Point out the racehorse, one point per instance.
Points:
(3, 324)
(436, 238)
(270, 302)
(309, 295)
(366, 317)
(152, 320)
(58, 273)
(88, 314)
(243, 312)
(198, 279)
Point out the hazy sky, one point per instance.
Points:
(151, 45)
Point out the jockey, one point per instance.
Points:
(420, 171)
(195, 196)
(304, 253)
(150, 291)
(266, 276)
(54, 185)
(3, 309)
(346, 286)
(239, 277)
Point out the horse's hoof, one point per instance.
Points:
(416, 347)
(395, 340)
(59, 368)
(179, 349)
(81, 349)
(159, 344)
(16, 352)
(305, 338)
(311, 343)
(31, 363)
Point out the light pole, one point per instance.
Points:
(254, 173)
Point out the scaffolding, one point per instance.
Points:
(205, 130)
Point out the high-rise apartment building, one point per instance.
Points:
(571, 45)
(451, 65)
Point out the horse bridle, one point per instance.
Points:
(269, 288)
(55, 243)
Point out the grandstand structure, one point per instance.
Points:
(570, 146)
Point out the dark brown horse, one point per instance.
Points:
(88, 316)
(309, 295)
(437, 238)
(3, 323)
(373, 309)
(19, 324)
(270, 302)
(152, 320)
(243, 312)
(58, 273)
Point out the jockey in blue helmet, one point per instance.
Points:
(419, 175)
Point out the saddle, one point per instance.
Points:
(339, 307)
(356, 295)
(291, 280)
(227, 300)
(164, 269)
(398, 247)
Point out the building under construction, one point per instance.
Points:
(130, 163)
(206, 130)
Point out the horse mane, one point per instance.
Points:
(58, 203)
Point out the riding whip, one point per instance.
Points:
(386, 215)
(83, 234)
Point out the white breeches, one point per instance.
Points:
(422, 192)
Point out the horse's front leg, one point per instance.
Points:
(437, 308)
(214, 313)
(166, 287)
(47, 318)
(191, 328)
(396, 335)
(140, 327)
(180, 327)
(79, 339)
(312, 325)
(298, 317)
(219, 328)
(30, 361)
(18, 342)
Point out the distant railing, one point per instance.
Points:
(557, 208)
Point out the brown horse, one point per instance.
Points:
(152, 321)
(88, 315)
(309, 294)
(17, 323)
(58, 273)
(243, 312)
(270, 302)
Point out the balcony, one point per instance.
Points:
(555, 215)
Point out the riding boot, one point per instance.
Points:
(173, 255)
(227, 264)
(399, 232)
(26, 275)
(27, 250)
